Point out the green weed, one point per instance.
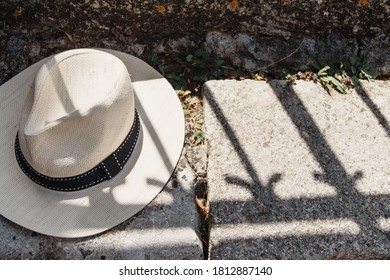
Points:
(344, 74)
(360, 70)
(331, 78)
(194, 69)
(199, 136)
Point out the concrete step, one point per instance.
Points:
(296, 173)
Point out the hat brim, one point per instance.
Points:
(99, 208)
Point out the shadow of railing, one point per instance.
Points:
(374, 109)
(349, 219)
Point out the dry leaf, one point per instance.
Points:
(201, 203)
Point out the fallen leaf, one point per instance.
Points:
(201, 203)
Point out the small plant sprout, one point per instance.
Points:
(344, 74)
(199, 136)
(329, 80)
(360, 70)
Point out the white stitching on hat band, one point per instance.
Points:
(107, 167)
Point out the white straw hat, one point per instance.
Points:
(88, 138)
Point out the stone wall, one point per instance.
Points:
(252, 35)
(261, 17)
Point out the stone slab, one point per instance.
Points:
(166, 229)
(296, 173)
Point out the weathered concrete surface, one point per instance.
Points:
(295, 173)
(166, 229)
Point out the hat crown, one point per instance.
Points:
(78, 111)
